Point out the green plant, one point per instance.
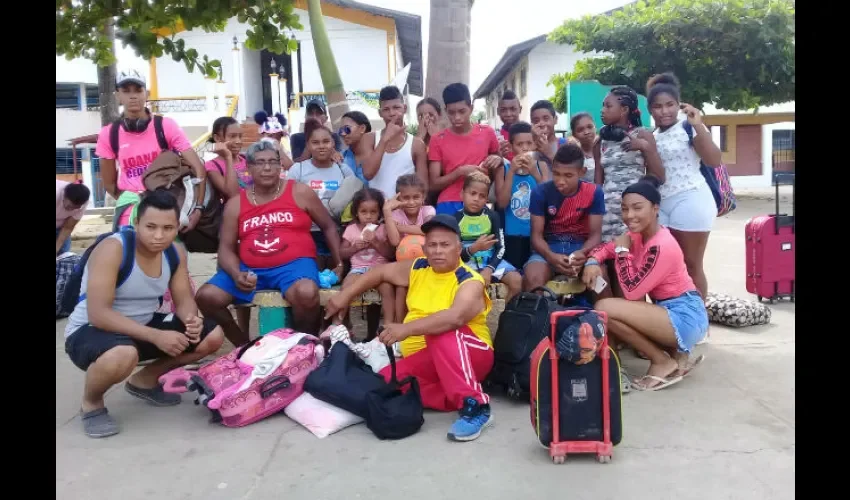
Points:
(736, 54)
(80, 27)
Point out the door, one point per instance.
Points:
(783, 150)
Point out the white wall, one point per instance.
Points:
(252, 97)
(72, 123)
(360, 53)
(546, 60)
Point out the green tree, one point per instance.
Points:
(328, 71)
(735, 54)
(82, 28)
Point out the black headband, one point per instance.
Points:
(646, 190)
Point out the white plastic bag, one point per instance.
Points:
(320, 418)
(373, 353)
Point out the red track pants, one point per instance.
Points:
(448, 370)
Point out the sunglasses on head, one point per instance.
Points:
(344, 130)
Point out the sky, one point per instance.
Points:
(496, 25)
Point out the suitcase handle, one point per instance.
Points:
(784, 220)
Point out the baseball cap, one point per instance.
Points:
(442, 220)
(315, 105)
(130, 77)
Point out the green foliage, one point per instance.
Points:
(736, 54)
(80, 27)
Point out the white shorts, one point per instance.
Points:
(691, 211)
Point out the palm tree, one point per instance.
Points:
(448, 45)
(106, 76)
(331, 81)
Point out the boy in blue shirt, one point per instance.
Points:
(514, 183)
(566, 220)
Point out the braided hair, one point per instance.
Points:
(628, 98)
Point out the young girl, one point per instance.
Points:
(687, 205)
(624, 152)
(428, 113)
(325, 177)
(365, 244)
(648, 260)
(404, 215)
(583, 131)
(229, 171)
(274, 127)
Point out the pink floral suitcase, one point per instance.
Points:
(250, 383)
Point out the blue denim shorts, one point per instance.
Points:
(561, 247)
(689, 318)
(503, 268)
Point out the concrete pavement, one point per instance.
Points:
(725, 432)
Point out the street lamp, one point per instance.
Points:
(273, 65)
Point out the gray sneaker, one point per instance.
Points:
(155, 396)
(98, 423)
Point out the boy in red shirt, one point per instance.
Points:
(509, 110)
(459, 150)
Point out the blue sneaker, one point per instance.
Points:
(474, 417)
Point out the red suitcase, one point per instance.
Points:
(770, 247)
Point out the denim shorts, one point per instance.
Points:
(560, 247)
(503, 268)
(693, 210)
(689, 318)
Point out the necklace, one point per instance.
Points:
(254, 195)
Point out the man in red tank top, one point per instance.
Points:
(265, 244)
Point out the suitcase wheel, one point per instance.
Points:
(792, 298)
(771, 301)
(759, 298)
(559, 459)
(603, 459)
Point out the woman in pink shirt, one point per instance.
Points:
(648, 260)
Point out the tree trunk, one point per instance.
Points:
(448, 46)
(106, 77)
(331, 81)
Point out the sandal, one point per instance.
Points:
(640, 384)
(155, 396)
(625, 382)
(98, 423)
(690, 365)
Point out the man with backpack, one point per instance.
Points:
(114, 324)
(133, 142)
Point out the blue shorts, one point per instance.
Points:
(503, 268)
(322, 249)
(272, 278)
(561, 247)
(448, 207)
(689, 317)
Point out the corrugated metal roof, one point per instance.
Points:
(409, 30)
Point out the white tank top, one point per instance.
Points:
(393, 166)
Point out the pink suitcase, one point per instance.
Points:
(253, 382)
(770, 247)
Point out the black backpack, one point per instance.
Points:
(157, 127)
(522, 325)
(71, 297)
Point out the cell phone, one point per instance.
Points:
(600, 284)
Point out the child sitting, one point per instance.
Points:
(482, 236)
(566, 220)
(365, 244)
(404, 215)
(514, 184)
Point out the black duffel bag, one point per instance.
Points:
(393, 414)
(344, 380)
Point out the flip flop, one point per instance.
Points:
(689, 367)
(662, 382)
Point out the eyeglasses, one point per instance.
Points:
(266, 163)
(344, 130)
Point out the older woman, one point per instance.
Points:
(266, 244)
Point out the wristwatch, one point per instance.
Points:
(621, 249)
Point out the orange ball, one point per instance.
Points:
(410, 247)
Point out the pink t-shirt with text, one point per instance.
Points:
(136, 151)
(656, 268)
(454, 151)
(61, 214)
(425, 214)
(367, 257)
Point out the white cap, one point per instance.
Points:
(131, 76)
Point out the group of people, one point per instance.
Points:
(427, 220)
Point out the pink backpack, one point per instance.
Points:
(257, 380)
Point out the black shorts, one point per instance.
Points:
(517, 250)
(88, 343)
